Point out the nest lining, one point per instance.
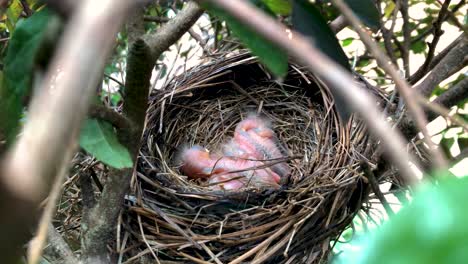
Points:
(178, 219)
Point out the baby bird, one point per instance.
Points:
(196, 162)
(247, 177)
(223, 172)
(242, 163)
(255, 138)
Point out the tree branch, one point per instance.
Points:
(452, 62)
(29, 168)
(405, 50)
(303, 52)
(58, 251)
(421, 71)
(171, 32)
(387, 34)
(156, 19)
(338, 24)
(437, 33)
(141, 60)
(403, 88)
(452, 96)
(375, 187)
(104, 113)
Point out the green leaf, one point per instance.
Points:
(366, 11)
(463, 142)
(13, 14)
(269, 54)
(418, 47)
(280, 7)
(390, 6)
(98, 138)
(446, 144)
(431, 229)
(307, 20)
(347, 41)
(19, 61)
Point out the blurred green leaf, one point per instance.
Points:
(269, 54)
(431, 229)
(366, 11)
(18, 69)
(280, 7)
(446, 144)
(390, 6)
(13, 14)
(363, 63)
(162, 71)
(438, 91)
(116, 98)
(418, 47)
(347, 41)
(462, 141)
(99, 139)
(307, 20)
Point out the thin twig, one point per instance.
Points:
(375, 187)
(402, 86)
(104, 113)
(437, 33)
(114, 79)
(387, 34)
(406, 37)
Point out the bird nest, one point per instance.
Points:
(176, 219)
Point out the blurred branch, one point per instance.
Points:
(156, 19)
(338, 24)
(451, 63)
(452, 96)
(437, 33)
(26, 8)
(28, 170)
(403, 88)
(302, 50)
(421, 72)
(104, 113)
(387, 34)
(64, 7)
(405, 50)
(135, 26)
(37, 243)
(442, 111)
(199, 39)
(453, 18)
(142, 57)
(57, 250)
(169, 33)
(375, 187)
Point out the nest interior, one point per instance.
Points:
(173, 218)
